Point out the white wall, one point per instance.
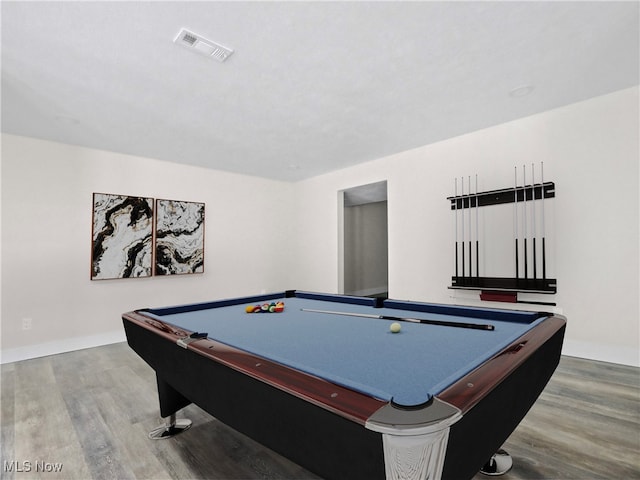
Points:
(589, 149)
(267, 235)
(46, 242)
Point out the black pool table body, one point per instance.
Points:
(340, 432)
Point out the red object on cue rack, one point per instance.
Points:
(508, 297)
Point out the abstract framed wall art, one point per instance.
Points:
(179, 247)
(122, 236)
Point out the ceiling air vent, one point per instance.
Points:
(199, 44)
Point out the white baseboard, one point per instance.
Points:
(60, 346)
(602, 353)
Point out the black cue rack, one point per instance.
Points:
(495, 287)
(504, 195)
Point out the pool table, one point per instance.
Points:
(328, 385)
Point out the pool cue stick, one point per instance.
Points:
(533, 219)
(544, 260)
(515, 222)
(441, 323)
(470, 259)
(455, 208)
(524, 221)
(477, 231)
(462, 223)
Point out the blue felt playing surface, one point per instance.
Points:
(360, 353)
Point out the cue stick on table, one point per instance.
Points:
(442, 323)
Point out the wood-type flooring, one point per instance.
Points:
(86, 415)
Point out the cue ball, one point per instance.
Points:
(395, 327)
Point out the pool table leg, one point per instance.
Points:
(415, 457)
(499, 464)
(171, 428)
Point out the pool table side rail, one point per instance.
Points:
(473, 387)
(498, 314)
(366, 301)
(342, 401)
(215, 304)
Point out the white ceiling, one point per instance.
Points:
(311, 87)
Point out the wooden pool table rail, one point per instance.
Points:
(473, 387)
(343, 401)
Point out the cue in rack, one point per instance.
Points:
(529, 233)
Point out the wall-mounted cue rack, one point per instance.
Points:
(504, 195)
(529, 255)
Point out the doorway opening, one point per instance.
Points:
(364, 240)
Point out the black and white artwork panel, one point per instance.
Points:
(122, 236)
(179, 237)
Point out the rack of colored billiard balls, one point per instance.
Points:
(273, 307)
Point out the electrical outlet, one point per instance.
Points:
(27, 323)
